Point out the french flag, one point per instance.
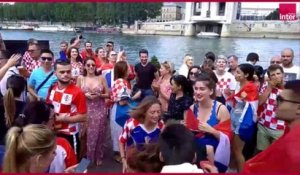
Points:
(249, 96)
(108, 74)
(222, 153)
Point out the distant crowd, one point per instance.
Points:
(221, 116)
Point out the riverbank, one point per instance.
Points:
(237, 29)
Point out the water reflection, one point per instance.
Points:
(172, 48)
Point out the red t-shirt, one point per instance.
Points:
(69, 101)
(85, 54)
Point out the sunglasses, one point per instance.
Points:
(280, 99)
(90, 65)
(193, 73)
(46, 58)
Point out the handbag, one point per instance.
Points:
(31, 97)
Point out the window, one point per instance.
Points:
(199, 5)
(197, 9)
(221, 11)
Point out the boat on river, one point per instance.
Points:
(53, 28)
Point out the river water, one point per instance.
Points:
(172, 48)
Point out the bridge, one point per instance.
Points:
(210, 16)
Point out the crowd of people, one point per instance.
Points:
(221, 116)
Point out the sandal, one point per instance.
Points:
(99, 162)
(118, 158)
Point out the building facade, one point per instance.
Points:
(171, 13)
(219, 12)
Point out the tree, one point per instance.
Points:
(273, 15)
(104, 13)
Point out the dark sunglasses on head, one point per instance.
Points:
(46, 58)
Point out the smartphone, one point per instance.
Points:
(82, 166)
(121, 48)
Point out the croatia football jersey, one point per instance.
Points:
(225, 81)
(69, 101)
(268, 115)
(135, 133)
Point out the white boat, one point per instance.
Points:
(208, 35)
(46, 28)
(50, 28)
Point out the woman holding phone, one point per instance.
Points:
(95, 88)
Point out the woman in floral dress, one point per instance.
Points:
(95, 89)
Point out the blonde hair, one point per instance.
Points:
(139, 113)
(15, 86)
(23, 143)
(9, 107)
(169, 66)
(186, 58)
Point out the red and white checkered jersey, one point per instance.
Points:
(118, 88)
(225, 81)
(69, 101)
(268, 116)
(29, 63)
(77, 69)
(65, 156)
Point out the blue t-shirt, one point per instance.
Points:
(37, 77)
(63, 56)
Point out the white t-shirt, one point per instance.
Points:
(182, 168)
(3, 87)
(183, 70)
(291, 73)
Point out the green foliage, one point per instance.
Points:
(273, 15)
(155, 62)
(98, 13)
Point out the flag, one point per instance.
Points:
(222, 154)
(282, 156)
(122, 114)
(244, 106)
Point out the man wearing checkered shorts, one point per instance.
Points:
(69, 105)
(269, 127)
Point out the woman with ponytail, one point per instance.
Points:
(29, 150)
(12, 104)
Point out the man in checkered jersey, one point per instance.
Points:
(269, 127)
(69, 104)
(226, 81)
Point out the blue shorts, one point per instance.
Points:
(235, 115)
(235, 123)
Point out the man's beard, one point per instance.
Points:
(64, 82)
